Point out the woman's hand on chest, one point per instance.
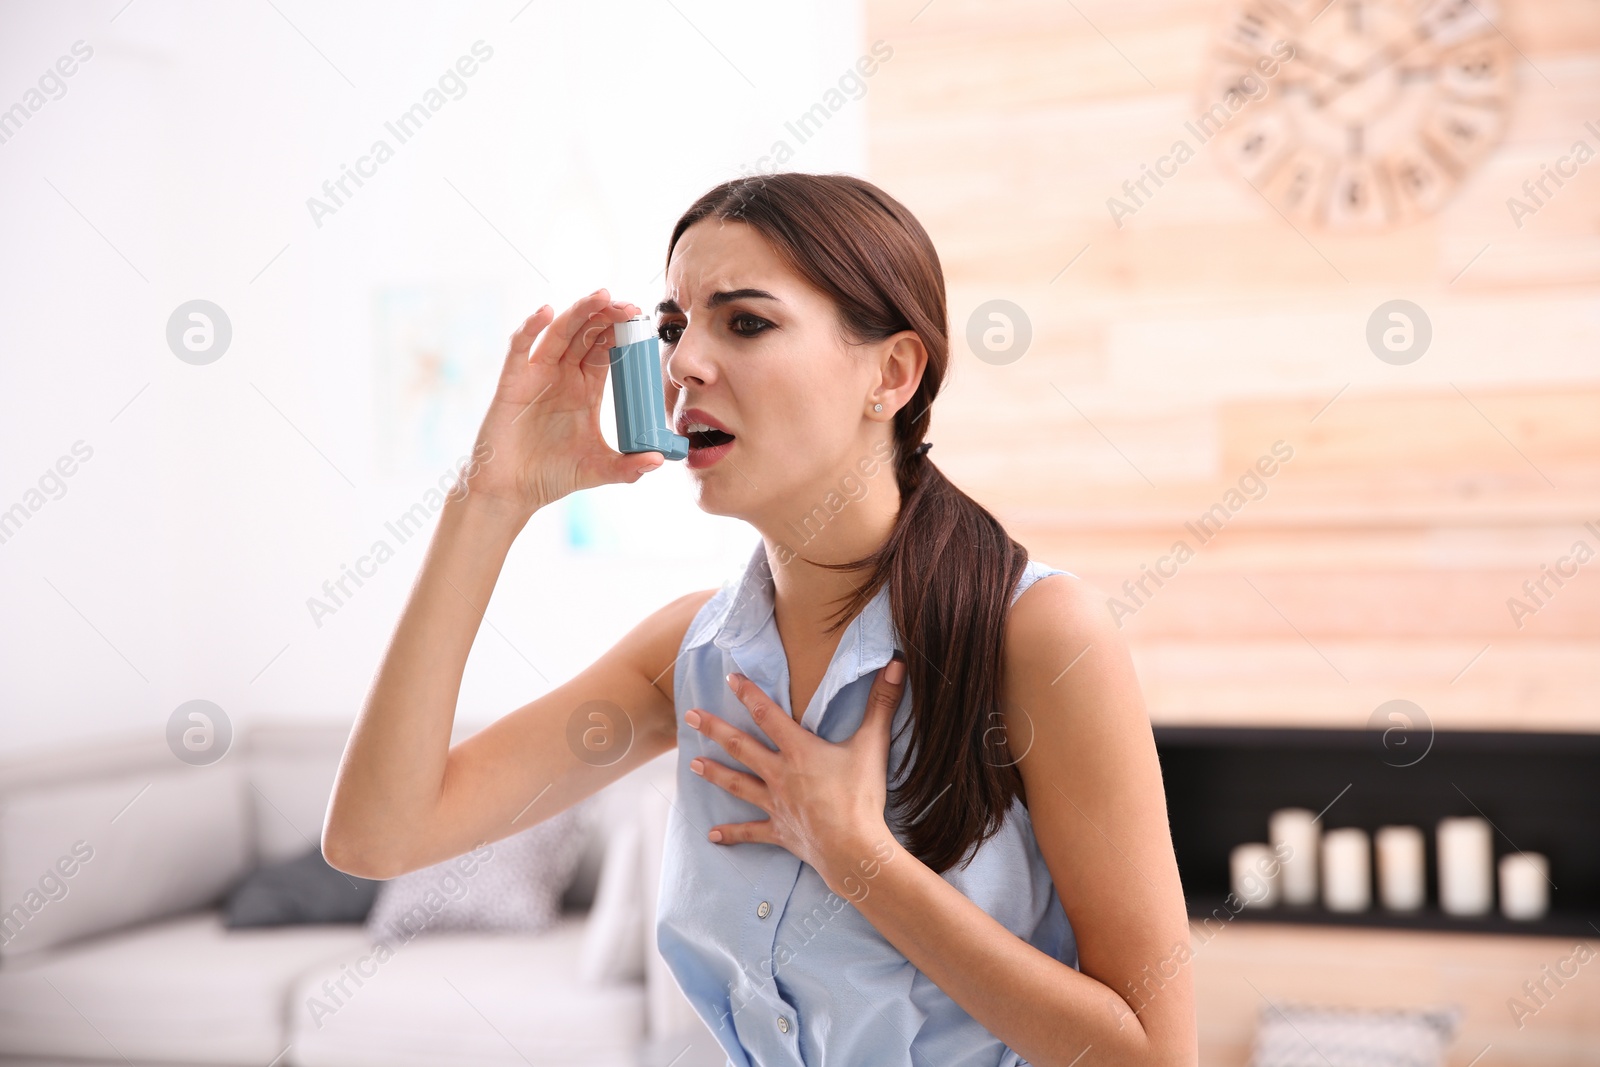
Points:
(824, 800)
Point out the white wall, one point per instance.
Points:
(178, 560)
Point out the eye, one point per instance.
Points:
(740, 323)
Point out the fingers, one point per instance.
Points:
(584, 325)
(592, 346)
(594, 335)
(600, 329)
(773, 720)
(549, 338)
(631, 466)
(740, 832)
(734, 741)
(887, 689)
(746, 787)
(523, 339)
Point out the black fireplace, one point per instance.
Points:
(1539, 791)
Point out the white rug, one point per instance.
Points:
(1292, 1035)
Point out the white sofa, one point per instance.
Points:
(118, 856)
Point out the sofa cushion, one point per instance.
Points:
(291, 767)
(305, 889)
(140, 846)
(184, 989)
(513, 885)
(482, 999)
(614, 940)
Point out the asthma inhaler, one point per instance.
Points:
(637, 392)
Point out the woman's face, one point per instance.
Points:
(748, 347)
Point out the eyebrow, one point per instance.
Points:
(716, 300)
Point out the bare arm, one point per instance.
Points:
(403, 798)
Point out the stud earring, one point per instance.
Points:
(877, 407)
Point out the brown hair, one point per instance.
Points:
(949, 564)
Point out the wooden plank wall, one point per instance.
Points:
(1169, 354)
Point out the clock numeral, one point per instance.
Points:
(1249, 30)
(1299, 185)
(1355, 199)
(1462, 131)
(1296, 193)
(1234, 83)
(1477, 70)
(1420, 184)
(1255, 147)
(1252, 31)
(1451, 21)
(1414, 180)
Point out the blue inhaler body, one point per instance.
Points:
(637, 392)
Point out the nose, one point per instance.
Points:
(688, 363)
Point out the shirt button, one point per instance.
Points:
(783, 1024)
(763, 910)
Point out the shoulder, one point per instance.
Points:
(1065, 651)
(1051, 605)
(1072, 701)
(658, 639)
(686, 607)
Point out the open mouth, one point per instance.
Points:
(707, 438)
(708, 441)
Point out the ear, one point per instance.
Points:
(902, 359)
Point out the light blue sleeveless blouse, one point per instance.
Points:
(784, 972)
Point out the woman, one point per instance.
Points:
(906, 758)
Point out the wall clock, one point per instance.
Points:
(1381, 110)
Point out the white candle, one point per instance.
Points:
(1466, 866)
(1346, 870)
(1252, 873)
(1524, 885)
(1401, 884)
(1297, 829)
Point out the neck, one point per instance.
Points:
(805, 594)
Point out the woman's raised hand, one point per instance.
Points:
(540, 439)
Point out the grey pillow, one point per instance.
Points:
(304, 889)
(513, 885)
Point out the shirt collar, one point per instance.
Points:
(747, 606)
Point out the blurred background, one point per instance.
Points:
(1278, 321)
